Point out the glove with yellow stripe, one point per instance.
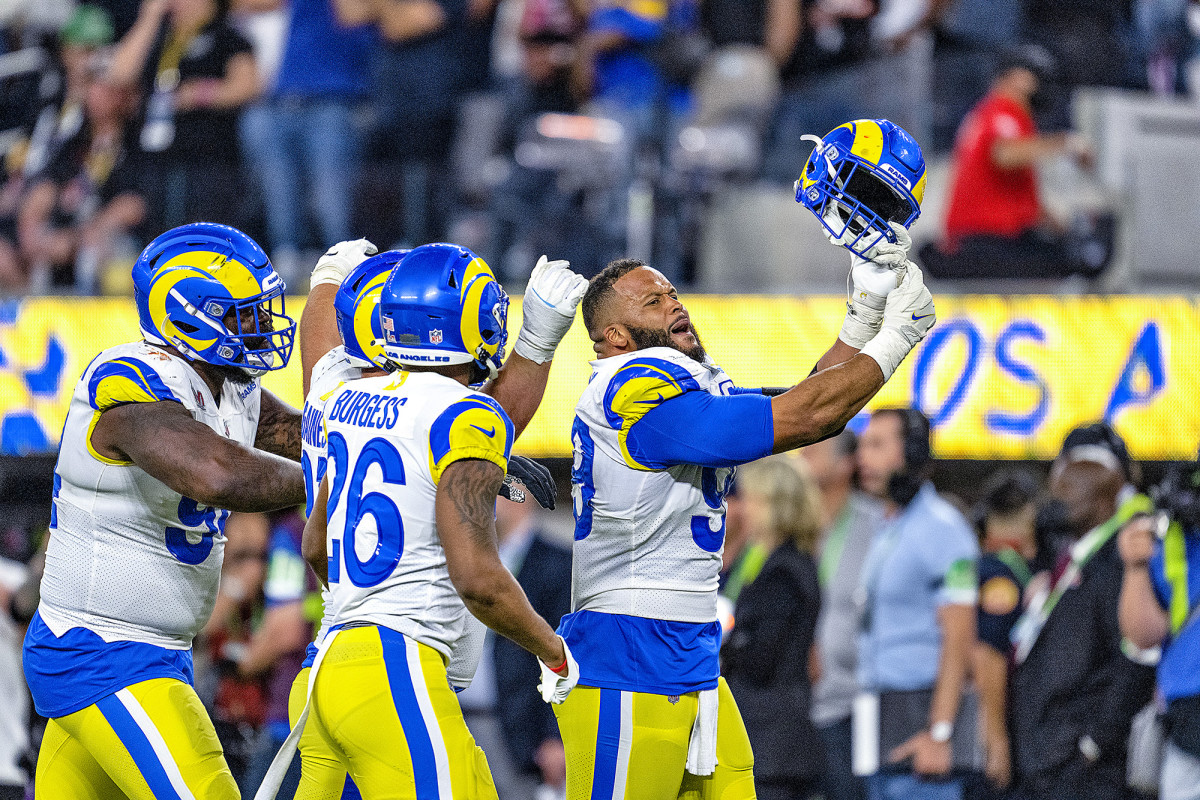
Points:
(551, 297)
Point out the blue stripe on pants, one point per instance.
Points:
(139, 747)
(404, 696)
(608, 743)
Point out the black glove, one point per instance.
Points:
(534, 476)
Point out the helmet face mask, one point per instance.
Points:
(862, 176)
(210, 292)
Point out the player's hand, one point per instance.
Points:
(1135, 542)
(869, 282)
(551, 297)
(556, 685)
(536, 478)
(908, 316)
(930, 759)
(339, 261)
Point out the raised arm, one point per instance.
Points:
(163, 439)
(318, 329)
(130, 54)
(466, 523)
(548, 309)
(823, 403)
(1143, 620)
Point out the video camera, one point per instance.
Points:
(1177, 498)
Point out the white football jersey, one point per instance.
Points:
(334, 369)
(388, 440)
(330, 372)
(129, 558)
(647, 542)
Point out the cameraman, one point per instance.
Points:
(1160, 592)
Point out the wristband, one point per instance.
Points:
(941, 732)
(560, 669)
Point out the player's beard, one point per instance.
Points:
(654, 337)
(235, 375)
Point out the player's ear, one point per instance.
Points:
(616, 337)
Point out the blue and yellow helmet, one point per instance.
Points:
(861, 176)
(442, 305)
(355, 307)
(210, 292)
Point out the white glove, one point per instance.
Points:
(907, 317)
(339, 261)
(551, 297)
(869, 282)
(555, 687)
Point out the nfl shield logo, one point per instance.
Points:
(435, 336)
(199, 398)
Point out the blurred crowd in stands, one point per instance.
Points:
(588, 129)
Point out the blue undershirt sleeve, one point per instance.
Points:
(704, 429)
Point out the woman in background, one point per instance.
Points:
(766, 656)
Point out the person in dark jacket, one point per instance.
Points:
(1074, 692)
(767, 654)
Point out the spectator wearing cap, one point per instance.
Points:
(996, 225)
(918, 595)
(849, 521)
(195, 73)
(1160, 593)
(1007, 518)
(1074, 691)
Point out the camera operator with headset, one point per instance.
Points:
(1160, 596)
(917, 597)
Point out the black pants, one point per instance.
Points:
(1076, 780)
(784, 790)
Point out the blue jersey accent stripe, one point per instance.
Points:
(139, 747)
(608, 745)
(404, 696)
(137, 371)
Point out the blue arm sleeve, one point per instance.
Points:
(704, 429)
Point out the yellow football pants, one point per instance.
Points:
(149, 741)
(633, 746)
(322, 776)
(383, 706)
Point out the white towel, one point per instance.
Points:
(702, 747)
(283, 759)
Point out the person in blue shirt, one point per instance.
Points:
(918, 593)
(305, 139)
(1160, 591)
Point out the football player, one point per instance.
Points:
(402, 532)
(164, 437)
(553, 296)
(657, 435)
